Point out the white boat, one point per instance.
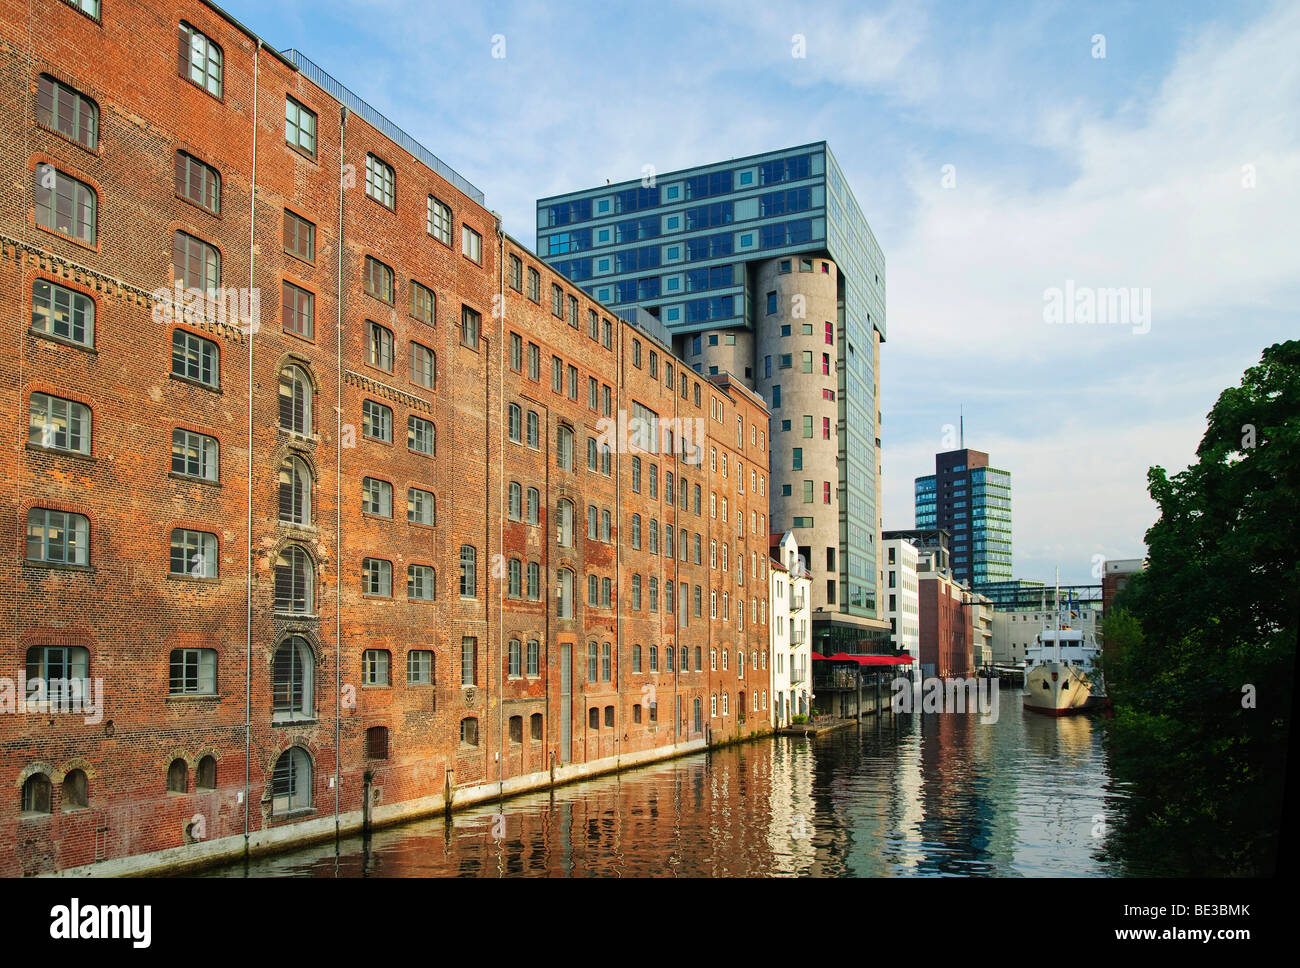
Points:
(1060, 674)
(1060, 670)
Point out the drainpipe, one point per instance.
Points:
(338, 489)
(502, 747)
(248, 557)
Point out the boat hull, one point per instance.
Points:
(1057, 689)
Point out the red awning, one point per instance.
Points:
(865, 660)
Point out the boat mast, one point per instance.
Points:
(1056, 650)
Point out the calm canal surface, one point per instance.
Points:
(928, 795)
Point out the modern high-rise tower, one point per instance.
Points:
(972, 501)
(763, 267)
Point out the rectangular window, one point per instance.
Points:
(438, 220)
(195, 358)
(419, 583)
(194, 455)
(468, 571)
(66, 111)
(380, 346)
(64, 204)
(379, 279)
(471, 243)
(199, 60)
(424, 304)
(198, 183)
(423, 371)
(468, 660)
(381, 181)
(420, 506)
(65, 313)
(377, 577)
(300, 127)
(376, 421)
(471, 323)
(374, 668)
(377, 497)
(298, 310)
(193, 553)
(299, 236)
(58, 537)
(419, 667)
(193, 672)
(420, 435)
(196, 264)
(58, 424)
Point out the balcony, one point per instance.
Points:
(797, 676)
(797, 636)
(796, 602)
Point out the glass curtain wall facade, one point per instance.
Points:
(685, 247)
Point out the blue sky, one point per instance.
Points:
(1123, 171)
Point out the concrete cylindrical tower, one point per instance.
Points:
(797, 351)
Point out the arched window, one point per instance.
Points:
(654, 658)
(291, 680)
(178, 776)
(295, 401)
(75, 790)
(515, 659)
(668, 659)
(295, 491)
(564, 448)
(534, 505)
(295, 580)
(636, 658)
(291, 781)
(564, 526)
(564, 594)
(516, 501)
(516, 422)
(205, 777)
(36, 794)
(533, 436)
(636, 531)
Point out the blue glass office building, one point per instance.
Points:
(973, 502)
(753, 264)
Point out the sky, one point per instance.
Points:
(998, 151)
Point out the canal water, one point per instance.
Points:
(940, 794)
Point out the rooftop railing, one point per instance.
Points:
(331, 86)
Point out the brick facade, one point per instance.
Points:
(129, 613)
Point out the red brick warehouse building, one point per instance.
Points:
(206, 507)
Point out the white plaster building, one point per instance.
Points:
(899, 595)
(791, 665)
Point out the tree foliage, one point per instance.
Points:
(1219, 613)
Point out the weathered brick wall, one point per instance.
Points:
(130, 613)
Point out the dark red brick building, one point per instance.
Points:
(350, 533)
(947, 637)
